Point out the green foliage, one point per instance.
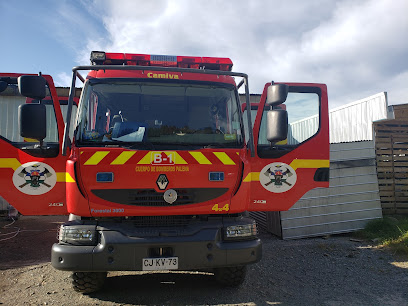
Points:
(390, 231)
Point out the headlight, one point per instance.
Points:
(78, 234)
(240, 231)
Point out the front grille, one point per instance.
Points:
(150, 197)
(162, 221)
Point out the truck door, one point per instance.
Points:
(283, 171)
(32, 177)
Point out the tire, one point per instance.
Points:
(230, 276)
(88, 282)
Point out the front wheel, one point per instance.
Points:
(88, 282)
(230, 276)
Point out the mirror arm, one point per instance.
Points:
(240, 84)
(69, 111)
(80, 77)
(248, 107)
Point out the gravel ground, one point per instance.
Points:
(332, 271)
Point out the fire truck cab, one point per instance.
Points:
(163, 164)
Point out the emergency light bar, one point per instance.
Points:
(212, 63)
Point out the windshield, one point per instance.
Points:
(140, 113)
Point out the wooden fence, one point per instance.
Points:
(391, 139)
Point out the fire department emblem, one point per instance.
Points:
(277, 177)
(34, 178)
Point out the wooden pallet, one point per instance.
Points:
(391, 143)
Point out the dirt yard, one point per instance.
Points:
(331, 271)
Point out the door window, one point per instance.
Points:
(302, 105)
(10, 100)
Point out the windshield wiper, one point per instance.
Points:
(197, 145)
(125, 144)
(175, 145)
(138, 145)
(220, 145)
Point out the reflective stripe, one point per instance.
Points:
(153, 158)
(200, 158)
(64, 177)
(295, 164)
(12, 163)
(123, 157)
(30, 140)
(252, 177)
(310, 163)
(96, 158)
(179, 160)
(224, 158)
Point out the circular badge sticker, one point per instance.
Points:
(278, 177)
(34, 178)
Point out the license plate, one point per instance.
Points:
(154, 264)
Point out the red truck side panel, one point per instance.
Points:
(34, 185)
(277, 183)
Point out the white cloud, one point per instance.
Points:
(358, 48)
(63, 79)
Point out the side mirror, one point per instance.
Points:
(277, 125)
(32, 86)
(32, 121)
(277, 94)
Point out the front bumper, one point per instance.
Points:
(116, 251)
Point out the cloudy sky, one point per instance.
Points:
(357, 47)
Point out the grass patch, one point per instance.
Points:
(391, 232)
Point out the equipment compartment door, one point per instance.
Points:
(283, 172)
(32, 179)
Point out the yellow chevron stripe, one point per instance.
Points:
(310, 163)
(12, 163)
(30, 140)
(200, 158)
(64, 177)
(96, 158)
(224, 158)
(252, 177)
(123, 157)
(295, 164)
(179, 160)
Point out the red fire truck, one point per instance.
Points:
(162, 163)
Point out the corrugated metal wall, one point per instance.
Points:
(301, 130)
(9, 119)
(350, 202)
(354, 121)
(348, 123)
